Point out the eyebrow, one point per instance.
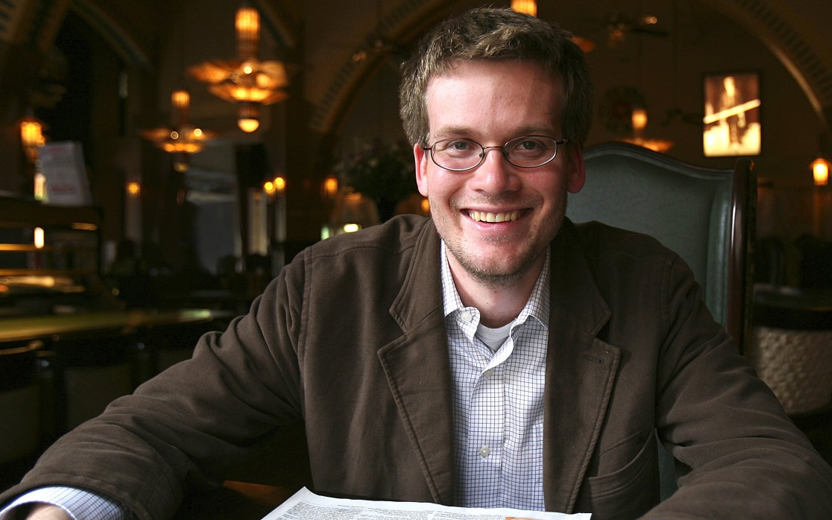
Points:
(466, 131)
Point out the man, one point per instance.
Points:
(495, 355)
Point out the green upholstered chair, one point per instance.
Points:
(705, 215)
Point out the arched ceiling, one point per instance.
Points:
(133, 34)
(770, 21)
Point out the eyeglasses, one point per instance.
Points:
(461, 155)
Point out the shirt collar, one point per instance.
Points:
(537, 306)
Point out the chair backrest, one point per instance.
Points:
(705, 215)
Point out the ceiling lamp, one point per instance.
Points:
(246, 81)
(524, 6)
(639, 119)
(182, 139)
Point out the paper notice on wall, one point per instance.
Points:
(62, 165)
(305, 505)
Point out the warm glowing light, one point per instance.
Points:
(182, 139)
(280, 184)
(246, 80)
(330, 186)
(134, 189)
(39, 240)
(31, 136)
(40, 186)
(585, 44)
(248, 124)
(639, 118)
(269, 188)
(350, 228)
(247, 24)
(181, 164)
(84, 226)
(524, 6)
(180, 99)
(426, 206)
(820, 171)
(639, 121)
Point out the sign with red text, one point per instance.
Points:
(62, 165)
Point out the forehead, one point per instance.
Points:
(494, 97)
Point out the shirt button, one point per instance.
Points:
(488, 373)
(484, 452)
(465, 316)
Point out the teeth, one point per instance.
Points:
(483, 216)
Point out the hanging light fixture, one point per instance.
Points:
(524, 6)
(246, 81)
(182, 139)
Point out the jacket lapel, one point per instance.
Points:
(580, 371)
(418, 369)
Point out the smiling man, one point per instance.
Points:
(495, 355)
(496, 205)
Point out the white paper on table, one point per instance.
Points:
(306, 505)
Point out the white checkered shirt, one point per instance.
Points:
(80, 504)
(498, 401)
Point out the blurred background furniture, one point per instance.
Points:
(791, 349)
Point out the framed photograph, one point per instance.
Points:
(732, 114)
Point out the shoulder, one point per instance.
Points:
(601, 242)
(396, 236)
(379, 255)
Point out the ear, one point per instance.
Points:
(421, 158)
(577, 172)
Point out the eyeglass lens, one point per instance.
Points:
(465, 154)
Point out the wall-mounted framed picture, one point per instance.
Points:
(732, 114)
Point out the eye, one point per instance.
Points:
(456, 147)
(530, 146)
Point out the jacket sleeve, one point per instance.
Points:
(187, 425)
(744, 456)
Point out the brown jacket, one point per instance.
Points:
(351, 338)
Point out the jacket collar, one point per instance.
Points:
(580, 369)
(417, 366)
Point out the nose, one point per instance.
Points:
(495, 175)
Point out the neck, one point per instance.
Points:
(498, 300)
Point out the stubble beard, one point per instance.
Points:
(495, 277)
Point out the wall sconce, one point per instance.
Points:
(524, 6)
(31, 136)
(134, 189)
(330, 187)
(820, 171)
(246, 81)
(277, 186)
(639, 122)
